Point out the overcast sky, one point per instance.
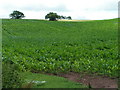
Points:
(77, 9)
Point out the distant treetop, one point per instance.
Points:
(54, 16)
(16, 15)
(69, 17)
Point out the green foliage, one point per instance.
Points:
(11, 78)
(52, 16)
(62, 17)
(69, 17)
(62, 46)
(17, 15)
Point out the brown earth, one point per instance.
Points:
(92, 80)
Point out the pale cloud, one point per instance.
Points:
(60, 8)
(77, 9)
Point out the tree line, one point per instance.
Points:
(51, 16)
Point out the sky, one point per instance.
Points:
(77, 9)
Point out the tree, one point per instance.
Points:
(17, 15)
(59, 17)
(69, 17)
(62, 17)
(52, 16)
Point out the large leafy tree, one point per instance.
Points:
(52, 16)
(16, 15)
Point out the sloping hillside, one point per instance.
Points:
(48, 46)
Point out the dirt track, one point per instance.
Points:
(92, 80)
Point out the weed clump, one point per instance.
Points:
(11, 78)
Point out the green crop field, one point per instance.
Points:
(54, 47)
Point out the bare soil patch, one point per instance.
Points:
(93, 80)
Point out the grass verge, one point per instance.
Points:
(51, 81)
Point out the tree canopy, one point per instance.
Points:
(69, 17)
(52, 16)
(17, 15)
